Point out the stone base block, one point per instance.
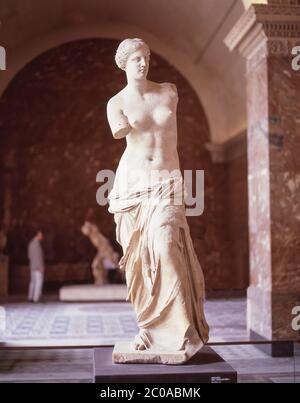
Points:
(92, 292)
(205, 367)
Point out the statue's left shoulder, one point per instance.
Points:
(171, 88)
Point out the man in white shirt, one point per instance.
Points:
(37, 267)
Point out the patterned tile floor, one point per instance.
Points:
(81, 324)
(85, 324)
(64, 324)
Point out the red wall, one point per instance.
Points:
(53, 114)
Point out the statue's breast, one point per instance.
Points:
(140, 119)
(145, 117)
(162, 115)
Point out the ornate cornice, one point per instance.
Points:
(241, 28)
(265, 23)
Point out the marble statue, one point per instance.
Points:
(164, 278)
(105, 252)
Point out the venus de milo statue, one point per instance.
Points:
(164, 278)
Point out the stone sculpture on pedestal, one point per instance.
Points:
(164, 278)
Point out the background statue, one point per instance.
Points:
(164, 278)
(105, 256)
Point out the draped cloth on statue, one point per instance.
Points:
(164, 278)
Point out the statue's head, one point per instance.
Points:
(86, 229)
(133, 56)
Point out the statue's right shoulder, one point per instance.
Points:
(116, 101)
(117, 120)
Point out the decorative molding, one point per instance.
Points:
(267, 48)
(230, 150)
(259, 54)
(262, 21)
(241, 28)
(288, 2)
(282, 29)
(282, 47)
(291, 2)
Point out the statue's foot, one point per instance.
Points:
(138, 346)
(141, 341)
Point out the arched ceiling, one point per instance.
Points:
(189, 34)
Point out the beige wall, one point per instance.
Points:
(188, 35)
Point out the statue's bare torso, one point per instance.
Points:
(149, 123)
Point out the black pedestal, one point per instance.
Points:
(205, 367)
